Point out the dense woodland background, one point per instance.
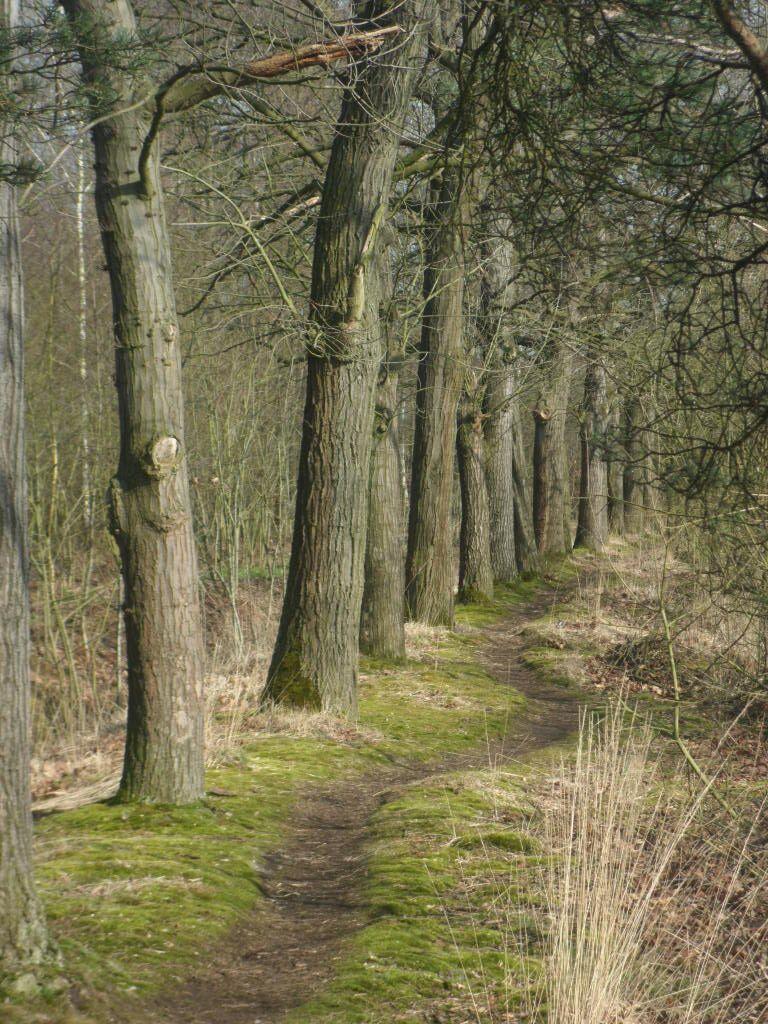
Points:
(558, 213)
(585, 281)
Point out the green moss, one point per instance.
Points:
(134, 894)
(506, 597)
(553, 666)
(513, 841)
(423, 710)
(440, 933)
(474, 595)
(292, 686)
(130, 890)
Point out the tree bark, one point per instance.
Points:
(499, 407)
(382, 621)
(150, 504)
(634, 513)
(315, 659)
(541, 473)
(513, 544)
(499, 390)
(22, 931)
(526, 551)
(592, 529)
(475, 572)
(615, 472)
(550, 457)
(429, 566)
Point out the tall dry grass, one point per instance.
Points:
(653, 917)
(651, 903)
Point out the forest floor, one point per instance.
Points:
(316, 886)
(337, 875)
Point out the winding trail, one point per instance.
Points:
(291, 945)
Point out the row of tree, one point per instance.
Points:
(517, 224)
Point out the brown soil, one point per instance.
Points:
(291, 945)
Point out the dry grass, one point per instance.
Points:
(75, 765)
(422, 642)
(652, 909)
(653, 915)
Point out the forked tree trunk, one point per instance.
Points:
(615, 472)
(150, 511)
(634, 513)
(550, 458)
(315, 659)
(499, 407)
(429, 566)
(592, 529)
(22, 932)
(475, 572)
(382, 620)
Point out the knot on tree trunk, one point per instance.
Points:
(163, 456)
(383, 416)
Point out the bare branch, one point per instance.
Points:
(193, 86)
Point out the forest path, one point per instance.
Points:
(291, 945)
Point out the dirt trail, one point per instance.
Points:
(290, 946)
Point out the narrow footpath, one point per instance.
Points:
(291, 945)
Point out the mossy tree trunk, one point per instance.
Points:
(315, 658)
(429, 565)
(475, 572)
(541, 472)
(513, 545)
(22, 931)
(592, 529)
(151, 515)
(550, 456)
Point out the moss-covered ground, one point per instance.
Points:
(134, 895)
(439, 942)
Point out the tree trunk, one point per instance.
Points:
(615, 472)
(634, 517)
(541, 473)
(499, 406)
(550, 458)
(150, 504)
(496, 283)
(382, 621)
(651, 490)
(475, 572)
(513, 545)
(429, 566)
(592, 529)
(22, 932)
(526, 551)
(315, 659)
